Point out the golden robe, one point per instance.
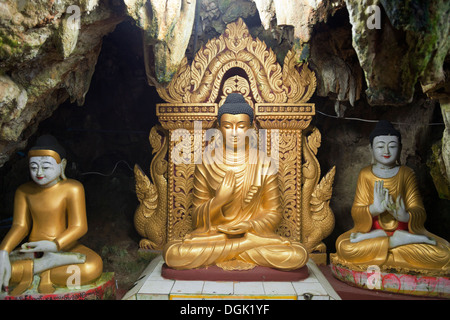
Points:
(418, 256)
(58, 214)
(260, 245)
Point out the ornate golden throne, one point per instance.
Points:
(236, 62)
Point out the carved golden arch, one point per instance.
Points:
(236, 62)
(200, 82)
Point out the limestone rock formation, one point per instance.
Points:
(167, 27)
(337, 68)
(406, 42)
(297, 13)
(444, 153)
(48, 52)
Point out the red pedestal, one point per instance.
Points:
(215, 273)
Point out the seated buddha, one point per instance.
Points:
(389, 216)
(236, 204)
(50, 209)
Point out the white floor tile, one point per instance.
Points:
(157, 287)
(187, 287)
(279, 288)
(152, 286)
(251, 288)
(309, 287)
(213, 287)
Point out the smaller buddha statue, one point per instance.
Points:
(389, 216)
(236, 205)
(51, 210)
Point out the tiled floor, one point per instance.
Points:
(152, 286)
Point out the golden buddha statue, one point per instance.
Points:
(389, 216)
(51, 210)
(236, 204)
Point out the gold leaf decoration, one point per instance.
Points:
(235, 48)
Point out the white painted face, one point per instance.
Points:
(386, 150)
(45, 171)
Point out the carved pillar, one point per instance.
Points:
(186, 124)
(285, 122)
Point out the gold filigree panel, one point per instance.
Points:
(181, 197)
(184, 152)
(289, 175)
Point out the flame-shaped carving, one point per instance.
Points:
(150, 218)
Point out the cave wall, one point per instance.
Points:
(95, 88)
(48, 52)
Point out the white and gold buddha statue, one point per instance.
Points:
(51, 211)
(389, 216)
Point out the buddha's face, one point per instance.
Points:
(233, 128)
(45, 171)
(386, 150)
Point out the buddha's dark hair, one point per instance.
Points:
(235, 104)
(384, 128)
(49, 142)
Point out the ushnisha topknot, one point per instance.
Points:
(384, 128)
(235, 104)
(48, 144)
